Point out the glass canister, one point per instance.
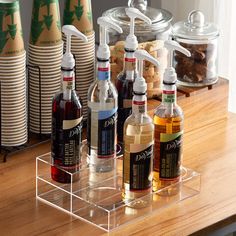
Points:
(150, 38)
(201, 39)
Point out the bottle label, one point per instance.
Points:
(67, 147)
(103, 73)
(168, 96)
(107, 121)
(138, 167)
(68, 83)
(139, 107)
(170, 155)
(130, 63)
(123, 113)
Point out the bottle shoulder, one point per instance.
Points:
(58, 98)
(161, 111)
(95, 89)
(146, 120)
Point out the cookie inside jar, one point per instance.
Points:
(201, 39)
(152, 74)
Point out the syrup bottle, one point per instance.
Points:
(168, 121)
(127, 77)
(102, 106)
(66, 117)
(138, 142)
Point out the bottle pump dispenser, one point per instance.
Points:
(168, 121)
(66, 117)
(102, 106)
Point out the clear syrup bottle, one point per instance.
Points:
(102, 107)
(138, 143)
(168, 121)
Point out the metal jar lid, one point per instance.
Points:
(195, 28)
(160, 19)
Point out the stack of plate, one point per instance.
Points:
(44, 83)
(44, 57)
(13, 100)
(84, 53)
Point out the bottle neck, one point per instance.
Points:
(68, 83)
(169, 98)
(103, 70)
(129, 65)
(139, 105)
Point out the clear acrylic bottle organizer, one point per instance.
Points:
(95, 197)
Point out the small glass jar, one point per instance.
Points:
(201, 39)
(150, 38)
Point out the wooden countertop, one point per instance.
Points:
(210, 150)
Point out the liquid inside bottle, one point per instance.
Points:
(138, 156)
(124, 85)
(66, 131)
(102, 120)
(168, 121)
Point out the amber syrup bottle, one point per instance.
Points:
(168, 121)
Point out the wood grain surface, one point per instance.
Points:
(209, 149)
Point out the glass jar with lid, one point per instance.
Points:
(150, 38)
(201, 39)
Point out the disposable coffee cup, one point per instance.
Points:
(79, 14)
(11, 38)
(45, 23)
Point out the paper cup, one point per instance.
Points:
(51, 48)
(79, 14)
(45, 23)
(11, 38)
(16, 142)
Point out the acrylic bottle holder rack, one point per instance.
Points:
(95, 197)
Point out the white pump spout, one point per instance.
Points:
(170, 76)
(131, 42)
(103, 49)
(140, 85)
(68, 60)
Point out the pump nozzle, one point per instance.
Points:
(170, 76)
(140, 85)
(68, 60)
(131, 42)
(103, 49)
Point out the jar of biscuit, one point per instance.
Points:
(150, 38)
(201, 39)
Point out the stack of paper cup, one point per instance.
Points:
(45, 53)
(79, 14)
(14, 130)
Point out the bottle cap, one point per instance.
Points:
(68, 60)
(105, 23)
(131, 41)
(140, 85)
(170, 76)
